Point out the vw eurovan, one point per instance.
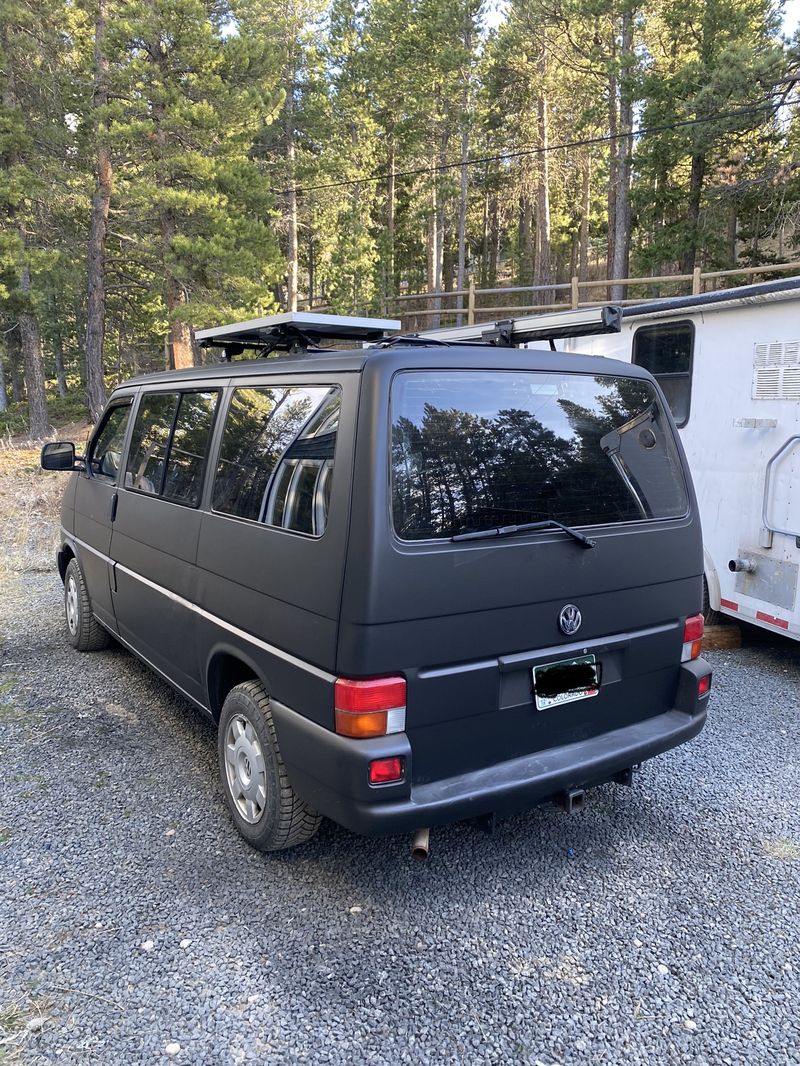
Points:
(411, 584)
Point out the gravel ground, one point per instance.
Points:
(660, 925)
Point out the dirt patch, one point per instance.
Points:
(30, 503)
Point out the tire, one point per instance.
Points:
(710, 618)
(84, 631)
(265, 808)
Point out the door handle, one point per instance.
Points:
(114, 500)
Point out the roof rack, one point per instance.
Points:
(295, 331)
(552, 326)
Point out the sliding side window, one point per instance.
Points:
(170, 443)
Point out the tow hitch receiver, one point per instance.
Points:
(572, 800)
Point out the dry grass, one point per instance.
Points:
(30, 503)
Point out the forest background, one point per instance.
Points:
(167, 165)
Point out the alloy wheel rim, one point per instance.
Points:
(72, 604)
(245, 768)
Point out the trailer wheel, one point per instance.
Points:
(710, 617)
(265, 808)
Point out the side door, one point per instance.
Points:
(95, 502)
(157, 526)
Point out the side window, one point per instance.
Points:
(666, 351)
(189, 448)
(170, 443)
(106, 450)
(276, 458)
(148, 450)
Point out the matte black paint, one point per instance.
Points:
(465, 623)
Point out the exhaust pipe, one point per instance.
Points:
(421, 844)
(742, 566)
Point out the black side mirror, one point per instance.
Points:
(60, 455)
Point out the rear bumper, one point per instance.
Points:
(331, 772)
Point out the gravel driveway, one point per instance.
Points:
(660, 925)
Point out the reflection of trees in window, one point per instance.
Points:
(190, 440)
(271, 434)
(456, 471)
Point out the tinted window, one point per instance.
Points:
(476, 450)
(666, 351)
(148, 451)
(106, 452)
(189, 447)
(169, 444)
(276, 457)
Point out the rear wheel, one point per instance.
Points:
(265, 808)
(85, 632)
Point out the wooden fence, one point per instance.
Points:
(466, 306)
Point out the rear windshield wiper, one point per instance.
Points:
(525, 527)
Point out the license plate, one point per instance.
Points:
(565, 681)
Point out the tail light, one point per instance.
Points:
(704, 685)
(692, 638)
(370, 708)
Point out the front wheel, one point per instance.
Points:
(265, 808)
(84, 631)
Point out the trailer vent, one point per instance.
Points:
(776, 371)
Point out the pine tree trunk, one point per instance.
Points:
(693, 212)
(461, 276)
(622, 205)
(485, 242)
(15, 365)
(542, 273)
(292, 267)
(58, 348)
(390, 223)
(586, 193)
(613, 170)
(3, 393)
(96, 303)
(38, 421)
(495, 238)
(434, 256)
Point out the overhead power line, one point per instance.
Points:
(472, 161)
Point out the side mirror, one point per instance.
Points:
(60, 455)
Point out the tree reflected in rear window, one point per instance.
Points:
(474, 450)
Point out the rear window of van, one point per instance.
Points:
(473, 450)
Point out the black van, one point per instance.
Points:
(412, 584)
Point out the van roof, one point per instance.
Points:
(399, 357)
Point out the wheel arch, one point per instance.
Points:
(63, 557)
(228, 667)
(712, 580)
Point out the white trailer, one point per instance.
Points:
(729, 364)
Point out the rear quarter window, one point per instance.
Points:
(473, 450)
(276, 458)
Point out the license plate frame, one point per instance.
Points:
(568, 695)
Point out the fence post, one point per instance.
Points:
(471, 302)
(574, 294)
(696, 282)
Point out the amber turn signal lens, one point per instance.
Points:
(361, 724)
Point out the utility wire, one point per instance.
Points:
(642, 131)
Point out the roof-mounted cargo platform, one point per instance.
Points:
(293, 331)
(548, 326)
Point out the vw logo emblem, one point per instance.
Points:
(569, 620)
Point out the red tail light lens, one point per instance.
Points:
(704, 685)
(370, 708)
(383, 771)
(692, 638)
